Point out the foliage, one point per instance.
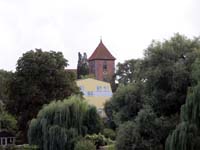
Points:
(40, 77)
(125, 103)
(1, 106)
(128, 136)
(109, 147)
(146, 132)
(129, 71)
(19, 147)
(98, 140)
(7, 122)
(5, 77)
(83, 66)
(92, 121)
(59, 124)
(109, 133)
(167, 70)
(186, 136)
(85, 145)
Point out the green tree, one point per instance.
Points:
(128, 72)
(59, 124)
(5, 77)
(7, 122)
(186, 136)
(167, 70)
(40, 77)
(146, 132)
(125, 103)
(128, 136)
(84, 145)
(83, 66)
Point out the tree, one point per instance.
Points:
(128, 72)
(146, 132)
(84, 145)
(186, 136)
(59, 124)
(40, 77)
(167, 70)
(7, 121)
(5, 77)
(125, 103)
(128, 136)
(83, 66)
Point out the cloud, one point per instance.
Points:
(127, 26)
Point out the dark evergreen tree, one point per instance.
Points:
(83, 66)
(5, 78)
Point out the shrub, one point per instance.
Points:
(85, 145)
(19, 147)
(109, 133)
(110, 147)
(98, 139)
(128, 136)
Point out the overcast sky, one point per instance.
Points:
(127, 27)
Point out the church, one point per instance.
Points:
(97, 90)
(102, 63)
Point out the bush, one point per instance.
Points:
(109, 133)
(99, 140)
(21, 147)
(85, 145)
(28, 147)
(128, 137)
(110, 147)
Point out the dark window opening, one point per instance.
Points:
(104, 65)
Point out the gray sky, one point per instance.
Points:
(127, 27)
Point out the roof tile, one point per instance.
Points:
(101, 53)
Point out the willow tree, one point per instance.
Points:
(60, 123)
(186, 136)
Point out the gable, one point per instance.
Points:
(101, 53)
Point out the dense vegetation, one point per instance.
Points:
(82, 66)
(59, 124)
(150, 95)
(155, 105)
(40, 77)
(7, 121)
(186, 136)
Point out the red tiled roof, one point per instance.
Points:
(101, 52)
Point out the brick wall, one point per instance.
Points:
(97, 67)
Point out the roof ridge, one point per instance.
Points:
(101, 52)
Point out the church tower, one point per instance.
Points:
(102, 63)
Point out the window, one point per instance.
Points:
(99, 88)
(105, 89)
(90, 93)
(104, 66)
(81, 88)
